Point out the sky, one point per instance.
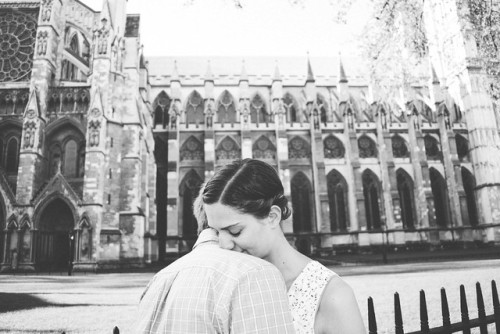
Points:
(259, 28)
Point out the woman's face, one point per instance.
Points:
(241, 232)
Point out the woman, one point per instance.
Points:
(244, 201)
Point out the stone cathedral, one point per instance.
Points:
(102, 149)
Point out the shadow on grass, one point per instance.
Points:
(10, 302)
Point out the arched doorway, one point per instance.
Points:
(405, 191)
(440, 193)
(469, 183)
(371, 192)
(302, 203)
(189, 189)
(54, 248)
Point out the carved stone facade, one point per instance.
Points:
(78, 131)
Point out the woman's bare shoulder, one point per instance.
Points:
(338, 311)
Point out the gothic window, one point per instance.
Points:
(194, 109)
(258, 113)
(70, 166)
(323, 108)
(81, 161)
(432, 148)
(462, 148)
(371, 192)
(405, 190)
(69, 71)
(367, 147)
(298, 148)
(86, 50)
(189, 189)
(338, 201)
(161, 106)
(25, 242)
(192, 150)
(74, 46)
(54, 160)
(21, 102)
(226, 109)
(292, 108)
(12, 156)
(264, 149)
(228, 149)
(399, 148)
(54, 103)
(333, 148)
(440, 194)
(17, 45)
(301, 203)
(68, 104)
(469, 183)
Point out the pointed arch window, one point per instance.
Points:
(81, 161)
(462, 148)
(367, 147)
(302, 203)
(70, 165)
(440, 193)
(469, 183)
(194, 109)
(226, 109)
(25, 242)
(338, 201)
(189, 188)
(371, 192)
(292, 108)
(161, 106)
(258, 112)
(264, 149)
(333, 148)
(322, 107)
(55, 160)
(432, 150)
(192, 150)
(228, 149)
(74, 45)
(406, 197)
(12, 156)
(399, 148)
(298, 148)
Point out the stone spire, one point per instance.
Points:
(310, 75)
(209, 75)
(175, 73)
(277, 75)
(342, 75)
(436, 87)
(243, 75)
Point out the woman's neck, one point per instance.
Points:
(288, 260)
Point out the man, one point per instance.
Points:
(212, 290)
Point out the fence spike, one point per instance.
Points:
(464, 309)
(496, 305)
(424, 319)
(116, 330)
(372, 320)
(397, 315)
(480, 309)
(445, 311)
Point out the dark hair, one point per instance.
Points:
(250, 186)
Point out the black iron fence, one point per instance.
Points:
(465, 325)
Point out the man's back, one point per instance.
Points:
(212, 290)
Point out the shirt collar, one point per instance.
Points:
(208, 236)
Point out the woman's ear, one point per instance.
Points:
(275, 216)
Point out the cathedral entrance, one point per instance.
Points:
(54, 244)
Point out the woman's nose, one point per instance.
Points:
(225, 241)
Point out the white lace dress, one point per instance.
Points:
(305, 295)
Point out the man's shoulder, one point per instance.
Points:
(216, 258)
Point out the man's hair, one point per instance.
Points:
(199, 211)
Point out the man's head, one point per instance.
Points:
(199, 211)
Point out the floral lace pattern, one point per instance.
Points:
(305, 295)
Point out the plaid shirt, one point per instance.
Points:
(212, 290)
